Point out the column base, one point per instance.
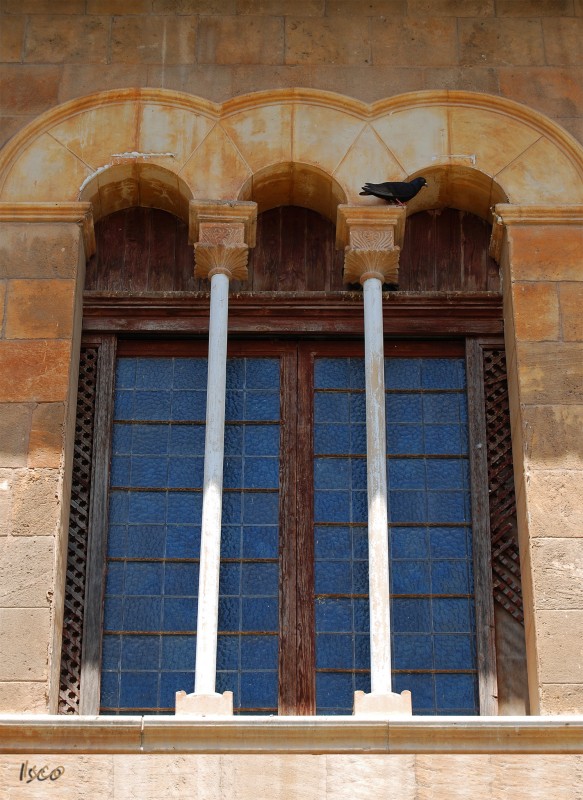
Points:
(204, 705)
(390, 704)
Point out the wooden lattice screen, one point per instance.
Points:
(70, 683)
(505, 559)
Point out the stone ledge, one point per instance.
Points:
(21, 734)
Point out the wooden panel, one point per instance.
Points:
(447, 250)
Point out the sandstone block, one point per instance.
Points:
(453, 777)
(22, 697)
(82, 79)
(533, 8)
(6, 476)
(451, 8)
(560, 646)
(536, 311)
(549, 373)
(495, 41)
(153, 40)
(113, 7)
(546, 253)
(472, 79)
(299, 8)
(2, 302)
(55, 39)
(241, 40)
(350, 777)
(45, 447)
(554, 503)
(28, 89)
(194, 6)
(26, 567)
(558, 698)
(11, 38)
(36, 502)
(40, 309)
(9, 125)
(35, 370)
(427, 41)
(354, 8)
(213, 82)
(558, 573)
(367, 83)
(571, 304)
(556, 91)
(43, 7)
(552, 436)
(24, 633)
(563, 37)
(39, 250)
(14, 433)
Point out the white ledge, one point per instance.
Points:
(21, 733)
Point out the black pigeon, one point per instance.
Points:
(395, 192)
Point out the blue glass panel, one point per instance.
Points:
(357, 403)
(450, 577)
(334, 690)
(262, 373)
(231, 541)
(234, 440)
(359, 507)
(334, 650)
(448, 506)
(407, 506)
(421, 687)
(138, 690)
(147, 507)
(360, 577)
(259, 614)
(406, 473)
(172, 682)
(179, 652)
(185, 473)
(332, 542)
(228, 652)
(259, 652)
(411, 615)
(405, 439)
(411, 577)
(412, 651)
(230, 579)
(125, 373)
(332, 373)
(115, 579)
(190, 373)
(143, 578)
(333, 616)
(451, 615)
(331, 407)
(456, 691)
(232, 508)
(443, 373)
(149, 471)
(262, 440)
(404, 408)
(441, 408)
(360, 543)
(402, 373)
(188, 405)
(118, 507)
(331, 473)
(358, 469)
(259, 689)
(454, 651)
(260, 542)
(149, 439)
(260, 579)
(140, 652)
(450, 542)
(121, 441)
(261, 473)
(356, 370)
(260, 509)
(179, 614)
(443, 439)
(235, 373)
(111, 652)
(124, 404)
(152, 405)
(184, 506)
(358, 439)
(181, 579)
(333, 577)
(183, 541)
(331, 506)
(110, 689)
(446, 473)
(229, 682)
(142, 614)
(332, 439)
(154, 373)
(233, 472)
(186, 440)
(261, 405)
(362, 651)
(229, 614)
(113, 614)
(409, 543)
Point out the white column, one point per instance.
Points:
(376, 470)
(212, 493)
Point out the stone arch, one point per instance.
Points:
(214, 150)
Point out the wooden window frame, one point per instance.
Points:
(121, 333)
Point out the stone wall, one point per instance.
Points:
(526, 50)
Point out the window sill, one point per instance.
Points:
(22, 733)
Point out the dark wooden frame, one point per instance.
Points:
(297, 646)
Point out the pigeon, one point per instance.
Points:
(395, 192)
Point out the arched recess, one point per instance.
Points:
(476, 149)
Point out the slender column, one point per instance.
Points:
(372, 259)
(220, 255)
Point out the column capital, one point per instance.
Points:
(371, 237)
(222, 232)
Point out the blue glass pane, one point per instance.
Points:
(261, 440)
(125, 373)
(183, 541)
(406, 473)
(262, 373)
(333, 577)
(259, 652)
(179, 614)
(178, 652)
(331, 407)
(111, 652)
(411, 651)
(228, 652)
(402, 373)
(332, 373)
(190, 373)
(456, 692)
(331, 473)
(261, 473)
(409, 543)
(333, 542)
(172, 682)
(262, 405)
(454, 651)
(188, 405)
(187, 440)
(140, 652)
(259, 614)
(443, 373)
(138, 690)
(143, 578)
(260, 542)
(334, 650)
(411, 577)
(334, 690)
(404, 408)
(259, 689)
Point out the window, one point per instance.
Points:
(293, 618)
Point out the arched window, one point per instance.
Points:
(293, 613)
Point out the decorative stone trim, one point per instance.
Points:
(508, 214)
(222, 233)
(22, 734)
(369, 235)
(223, 212)
(79, 213)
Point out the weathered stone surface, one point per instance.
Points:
(330, 40)
(571, 304)
(40, 309)
(549, 373)
(36, 370)
(556, 91)
(11, 38)
(6, 476)
(55, 39)
(546, 253)
(558, 573)
(563, 37)
(185, 7)
(351, 777)
(534, 777)
(153, 40)
(536, 311)
(495, 41)
(27, 89)
(113, 7)
(24, 633)
(552, 436)
(451, 8)
(39, 250)
(533, 8)
(84, 776)
(45, 447)
(22, 697)
(14, 433)
(560, 698)
(26, 567)
(299, 8)
(82, 79)
(241, 40)
(554, 503)
(454, 777)
(427, 41)
(209, 80)
(36, 502)
(472, 79)
(560, 646)
(43, 7)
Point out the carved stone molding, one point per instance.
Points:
(369, 235)
(506, 214)
(222, 232)
(79, 213)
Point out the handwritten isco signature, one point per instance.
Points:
(41, 774)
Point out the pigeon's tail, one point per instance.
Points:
(365, 191)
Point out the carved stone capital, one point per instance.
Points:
(370, 236)
(222, 232)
